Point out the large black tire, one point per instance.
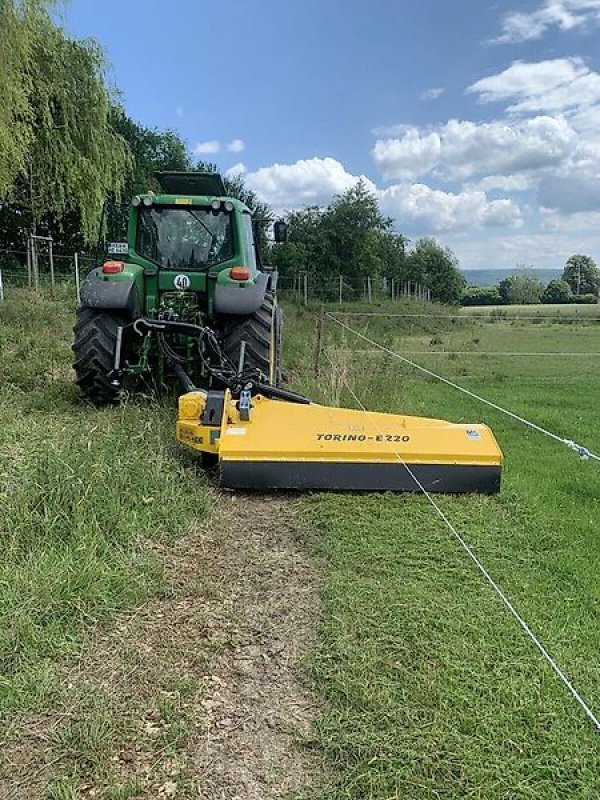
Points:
(262, 332)
(94, 347)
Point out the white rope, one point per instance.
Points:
(581, 451)
(480, 353)
(495, 586)
(493, 317)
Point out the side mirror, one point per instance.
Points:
(280, 231)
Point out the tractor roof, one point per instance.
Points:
(204, 184)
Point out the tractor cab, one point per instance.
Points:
(193, 256)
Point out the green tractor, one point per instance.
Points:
(188, 290)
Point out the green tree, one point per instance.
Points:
(557, 291)
(392, 251)
(521, 289)
(437, 268)
(65, 155)
(349, 238)
(582, 275)
(16, 132)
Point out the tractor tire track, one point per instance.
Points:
(199, 693)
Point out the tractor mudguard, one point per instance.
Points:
(121, 294)
(232, 299)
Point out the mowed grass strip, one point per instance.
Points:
(432, 689)
(83, 493)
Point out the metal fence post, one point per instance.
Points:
(369, 289)
(76, 258)
(29, 262)
(320, 324)
(341, 289)
(1, 288)
(305, 289)
(51, 255)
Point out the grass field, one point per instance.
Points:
(428, 688)
(431, 688)
(547, 309)
(81, 500)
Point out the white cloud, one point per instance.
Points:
(309, 181)
(574, 188)
(236, 169)
(503, 183)
(461, 149)
(433, 94)
(207, 148)
(556, 85)
(520, 26)
(236, 146)
(406, 158)
(419, 207)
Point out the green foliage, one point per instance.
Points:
(557, 291)
(481, 296)
(65, 155)
(588, 299)
(437, 267)
(151, 151)
(582, 275)
(16, 132)
(521, 289)
(350, 238)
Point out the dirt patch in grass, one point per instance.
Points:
(201, 692)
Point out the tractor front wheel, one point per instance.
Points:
(94, 347)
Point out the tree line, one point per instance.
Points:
(579, 283)
(352, 238)
(71, 158)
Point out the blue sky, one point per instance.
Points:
(478, 123)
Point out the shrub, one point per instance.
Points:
(557, 291)
(481, 296)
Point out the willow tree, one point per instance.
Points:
(67, 156)
(16, 133)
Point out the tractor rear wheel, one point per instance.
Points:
(94, 347)
(262, 332)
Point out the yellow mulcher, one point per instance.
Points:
(266, 443)
(265, 437)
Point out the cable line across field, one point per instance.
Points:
(501, 594)
(583, 452)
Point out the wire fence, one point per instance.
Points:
(39, 268)
(305, 288)
(42, 269)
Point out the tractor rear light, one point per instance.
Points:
(239, 274)
(112, 267)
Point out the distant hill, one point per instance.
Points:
(490, 277)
